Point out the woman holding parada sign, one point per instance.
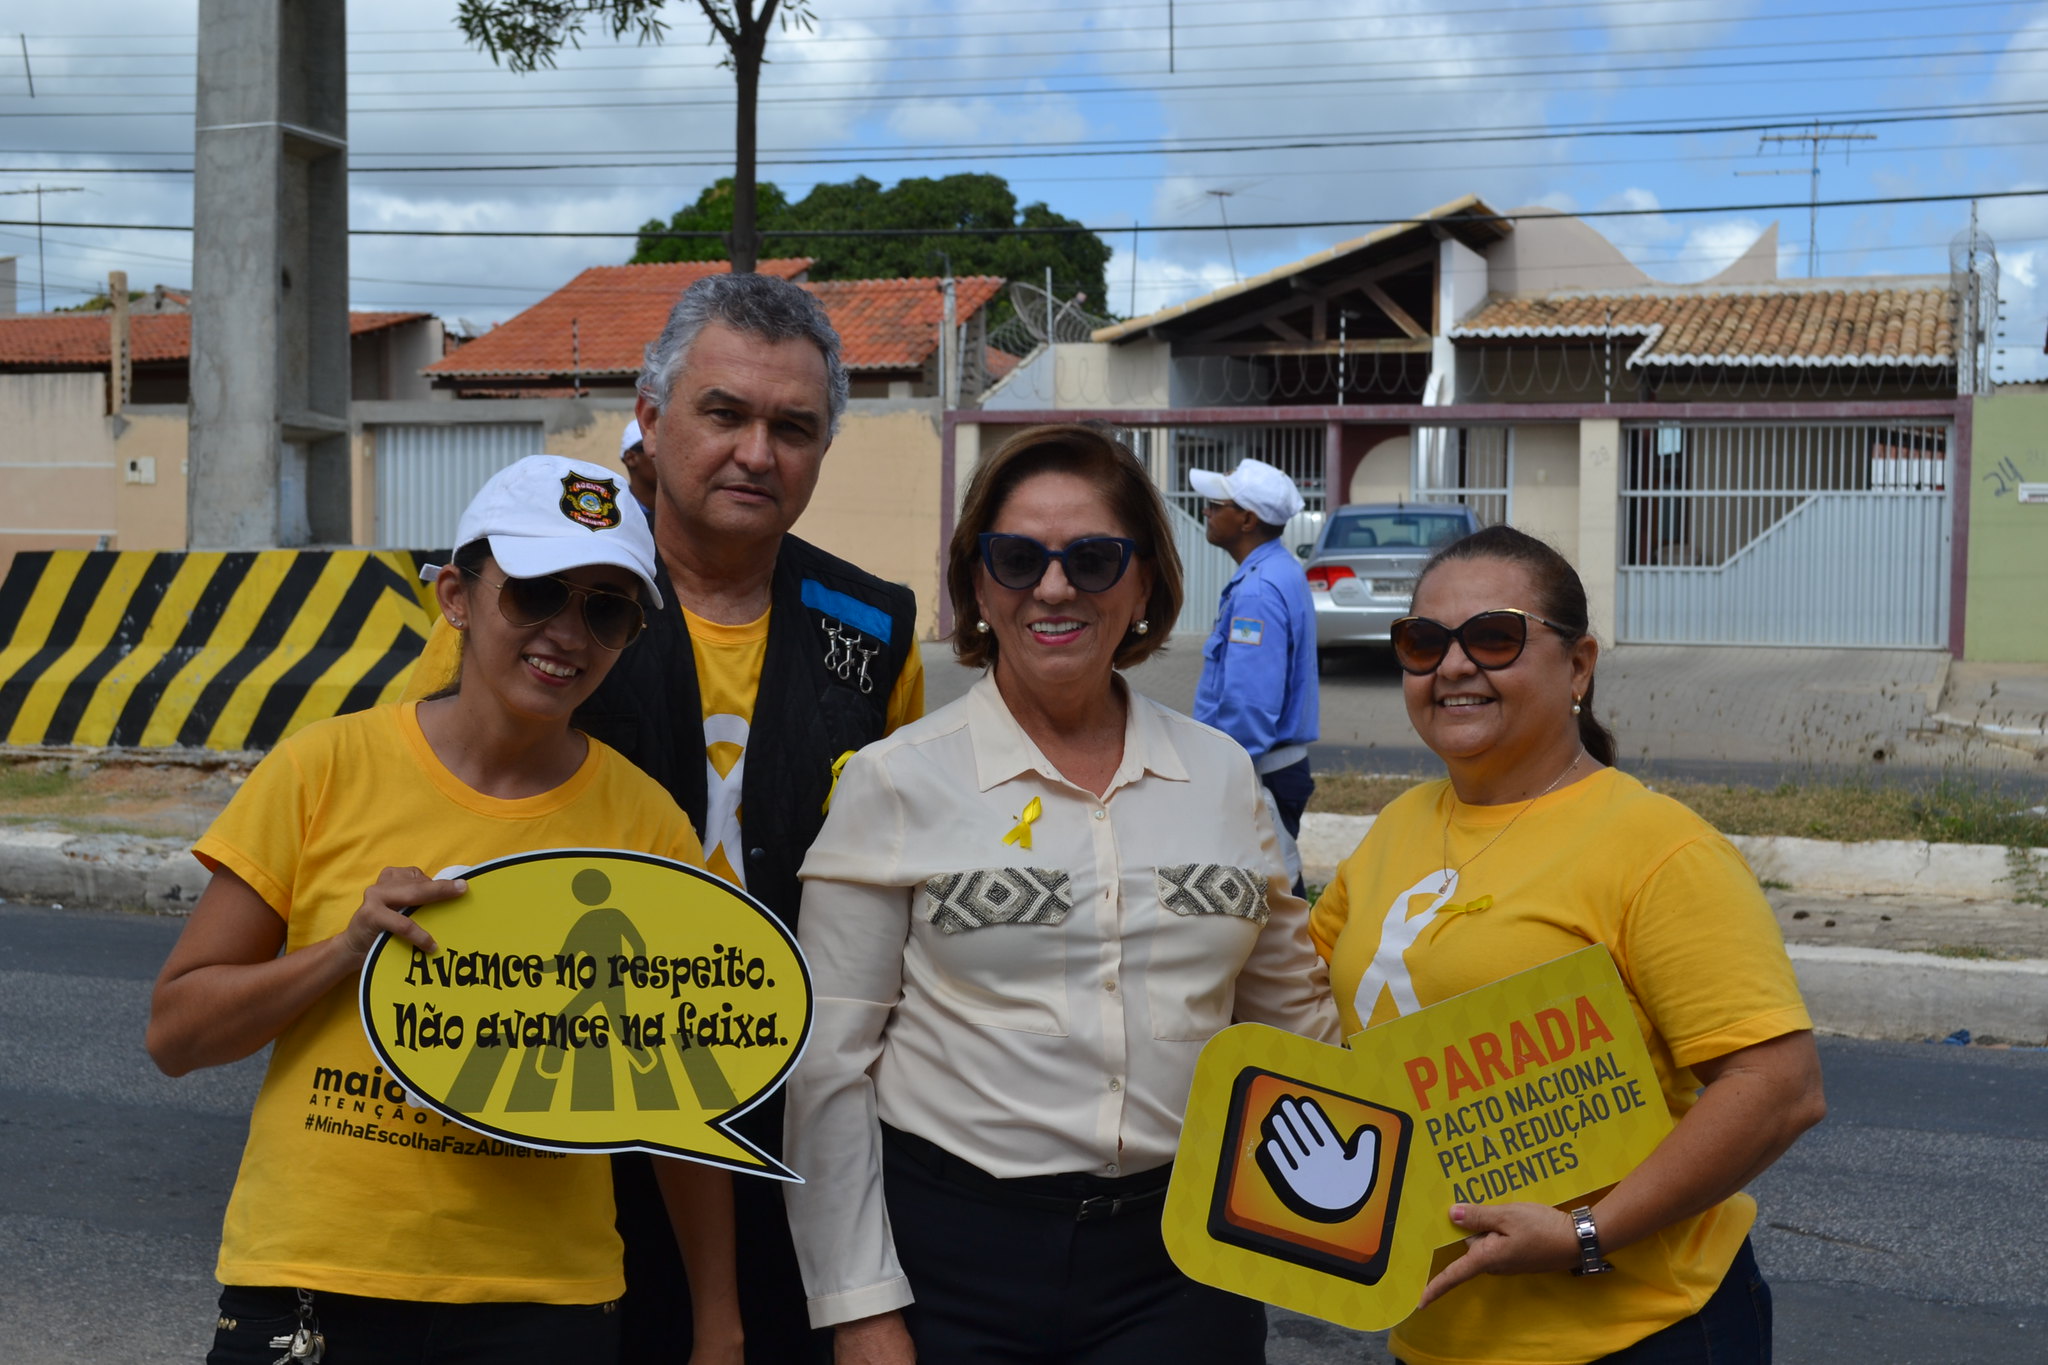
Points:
(1534, 848)
(361, 1224)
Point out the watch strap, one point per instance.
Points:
(1591, 1262)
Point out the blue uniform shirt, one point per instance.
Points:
(1259, 666)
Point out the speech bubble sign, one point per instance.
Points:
(1321, 1179)
(594, 1000)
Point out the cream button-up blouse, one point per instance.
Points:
(1033, 1005)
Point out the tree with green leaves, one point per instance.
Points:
(982, 205)
(526, 34)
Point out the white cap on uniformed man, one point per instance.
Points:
(548, 513)
(631, 436)
(1267, 493)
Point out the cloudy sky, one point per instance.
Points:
(1163, 114)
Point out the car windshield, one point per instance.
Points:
(1393, 530)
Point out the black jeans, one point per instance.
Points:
(1005, 1276)
(1733, 1327)
(1291, 786)
(365, 1331)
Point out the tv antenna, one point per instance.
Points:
(1223, 198)
(42, 275)
(1816, 140)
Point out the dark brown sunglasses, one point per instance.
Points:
(1492, 639)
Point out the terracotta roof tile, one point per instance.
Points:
(73, 340)
(617, 310)
(596, 324)
(1775, 325)
(894, 324)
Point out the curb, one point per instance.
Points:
(100, 871)
(2027, 739)
(1876, 993)
(1885, 867)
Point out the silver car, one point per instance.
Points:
(1362, 568)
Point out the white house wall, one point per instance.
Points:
(1546, 484)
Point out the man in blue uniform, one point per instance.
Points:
(1259, 667)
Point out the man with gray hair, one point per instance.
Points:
(769, 662)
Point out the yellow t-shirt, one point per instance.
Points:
(729, 662)
(1605, 860)
(394, 1201)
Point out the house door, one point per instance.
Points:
(1830, 534)
(425, 475)
(1474, 466)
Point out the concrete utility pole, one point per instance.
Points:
(268, 447)
(120, 353)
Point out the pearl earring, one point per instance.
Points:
(1575, 706)
(981, 627)
(1142, 626)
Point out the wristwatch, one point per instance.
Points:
(1591, 1262)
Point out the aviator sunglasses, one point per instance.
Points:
(1492, 639)
(1092, 563)
(614, 619)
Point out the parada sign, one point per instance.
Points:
(1321, 1178)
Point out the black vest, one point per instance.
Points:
(838, 638)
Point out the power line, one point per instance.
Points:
(1294, 85)
(798, 55)
(925, 23)
(1302, 225)
(998, 153)
(1749, 122)
(795, 187)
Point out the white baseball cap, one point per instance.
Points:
(631, 436)
(1254, 485)
(548, 513)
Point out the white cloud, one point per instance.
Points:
(2019, 268)
(1657, 24)
(1163, 283)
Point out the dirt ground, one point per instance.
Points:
(93, 794)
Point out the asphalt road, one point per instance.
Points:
(1901, 1231)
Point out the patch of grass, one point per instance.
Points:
(2028, 873)
(24, 783)
(1969, 951)
(1357, 793)
(1951, 812)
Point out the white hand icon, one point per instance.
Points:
(1316, 1174)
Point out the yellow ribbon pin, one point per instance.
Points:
(1021, 835)
(1471, 907)
(838, 767)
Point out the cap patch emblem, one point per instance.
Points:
(590, 502)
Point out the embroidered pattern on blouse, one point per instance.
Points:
(1213, 889)
(998, 895)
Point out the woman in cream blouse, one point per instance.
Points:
(1025, 915)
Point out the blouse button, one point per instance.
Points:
(1109, 1169)
(1100, 814)
(1110, 985)
(1115, 1084)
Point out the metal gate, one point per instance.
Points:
(426, 475)
(1170, 452)
(1470, 465)
(1779, 534)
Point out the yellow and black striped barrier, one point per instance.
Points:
(202, 649)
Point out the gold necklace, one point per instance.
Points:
(1554, 782)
